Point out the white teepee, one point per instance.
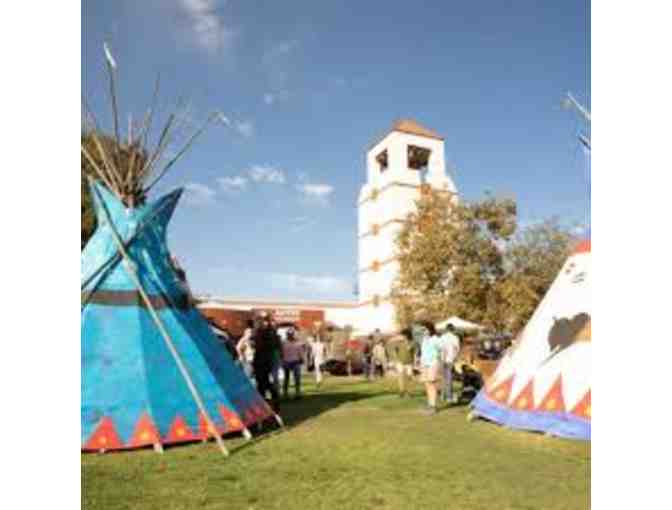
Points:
(543, 382)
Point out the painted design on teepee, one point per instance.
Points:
(554, 401)
(105, 437)
(145, 432)
(249, 416)
(206, 431)
(525, 399)
(180, 431)
(567, 331)
(502, 391)
(582, 409)
(230, 418)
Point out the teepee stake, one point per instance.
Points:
(162, 329)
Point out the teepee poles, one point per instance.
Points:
(130, 268)
(139, 230)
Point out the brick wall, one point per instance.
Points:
(233, 320)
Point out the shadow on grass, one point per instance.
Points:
(295, 412)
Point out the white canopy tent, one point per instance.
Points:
(458, 323)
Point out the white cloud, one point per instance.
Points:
(298, 283)
(232, 184)
(206, 25)
(267, 173)
(316, 193)
(244, 128)
(301, 223)
(277, 62)
(198, 194)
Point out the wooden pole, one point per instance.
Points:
(162, 329)
(141, 227)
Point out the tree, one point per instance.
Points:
(533, 261)
(450, 257)
(125, 155)
(466, 259)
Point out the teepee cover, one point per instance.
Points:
(544, 383)
(133, 392)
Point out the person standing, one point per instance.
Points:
(293, 359)
(379, 358)
(367, 358)
(430, 362)
(349, 355)
(450, 350)
(319, 353)
(277, 357)
(245, 349)
(267, 343)
(405, 350)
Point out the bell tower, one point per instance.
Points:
(406, 160)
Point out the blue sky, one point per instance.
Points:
(305, 85)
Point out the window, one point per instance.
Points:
(382, 161)
(418, 157)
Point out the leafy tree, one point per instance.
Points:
(450, 257)
(533, 261)
(466, 259)
(124, 153)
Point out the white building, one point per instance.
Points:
(408, 159)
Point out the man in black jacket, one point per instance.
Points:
(266, 346)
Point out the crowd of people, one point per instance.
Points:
(274, 357)
(272, 362)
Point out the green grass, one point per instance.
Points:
(352, 445)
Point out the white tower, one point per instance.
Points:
(407, 158)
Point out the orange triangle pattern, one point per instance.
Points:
(105, 437)
(501, 392)
(231, 419)
(582, 409)
(205, 431)
(180, 431)
(145, 432)
(525, 399)
(553, 402)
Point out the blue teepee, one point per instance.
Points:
(138, 388)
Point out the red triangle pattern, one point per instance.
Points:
(231, 419)
(145, 432)
(105, 437)
(262, 412)
(501, 392)
(525, 399)
(554, 401)
(204, 432)
(179, 431)
(249, 416)
(582, 409)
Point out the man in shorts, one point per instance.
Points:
(430, 362)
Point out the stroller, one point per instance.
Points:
(471, 380)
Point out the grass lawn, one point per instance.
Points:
(352, 445)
